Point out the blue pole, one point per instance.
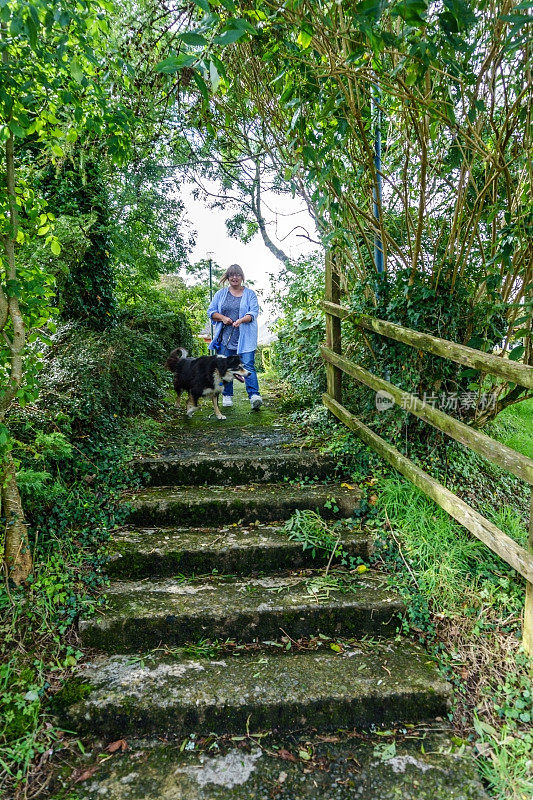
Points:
(211, 290)
(377, 191)
(377, 194)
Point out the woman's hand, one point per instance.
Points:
(246, 318)
(226, 320)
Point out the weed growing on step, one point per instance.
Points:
(319, 536)
(325, 539)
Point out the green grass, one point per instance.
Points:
(514, 427)
(451, 564)
(466, 604)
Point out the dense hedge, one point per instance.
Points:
(90, 378)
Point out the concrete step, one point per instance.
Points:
(375, 683)
(422, 763)
(226, 504)
(233, 550)
(234, 467)
(144, 614)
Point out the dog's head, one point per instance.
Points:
(231, 367)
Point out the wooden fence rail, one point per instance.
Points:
(520, 558)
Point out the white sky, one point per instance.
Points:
(257, 261)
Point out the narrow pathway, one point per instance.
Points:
(224, 673)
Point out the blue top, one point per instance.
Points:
(230, 308)
(247, 330)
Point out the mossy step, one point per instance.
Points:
(227, 504)
(421, 765)
(236, 550)
(375, 684)
(234, 467)
(144, 614)
(217, 440)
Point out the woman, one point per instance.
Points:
(235, 310)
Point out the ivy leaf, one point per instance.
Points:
(16, 130)
(241, 24)
(214, 76)
(517, 353)
(411, 11)
(370, 8)
(305, 37)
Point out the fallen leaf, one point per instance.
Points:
(286, 756)
(120, 744)
(304, 755)
(87, 773)
(347, 486)
(282, 777)
(361, 568)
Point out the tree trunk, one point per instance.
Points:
(256, 208)
(17, 556)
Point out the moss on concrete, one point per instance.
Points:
(73, 691)
(390, 682)
(237, 463)
(234, 549)
(141, 614)
(421, 767)
(215, 504)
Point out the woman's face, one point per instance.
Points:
(235, 281)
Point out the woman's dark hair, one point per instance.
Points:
(235, 269)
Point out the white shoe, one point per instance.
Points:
(256, 401)
(227, 400)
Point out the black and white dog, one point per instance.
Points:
(203, 377)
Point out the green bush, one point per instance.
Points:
(301, 329)
(158, 317)
(90, 378)
(174, 312)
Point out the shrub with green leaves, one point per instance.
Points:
(301, 328)
(91, 378)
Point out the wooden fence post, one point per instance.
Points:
(527, 632)
(333, 328)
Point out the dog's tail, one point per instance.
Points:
(176, 355)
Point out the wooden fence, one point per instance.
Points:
(518, 557)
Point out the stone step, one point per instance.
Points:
(375, 683)
(234, 550)
(422, 763)
(234, 467)
(226, 504)
(144, 614)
